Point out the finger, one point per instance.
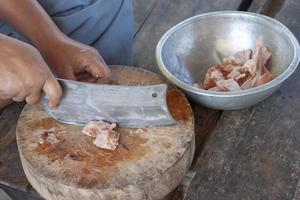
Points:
(21, 96)
(67, 74)
(103, 81)
(53, 90)
(98, 70)
(33, 98)
(86, 77)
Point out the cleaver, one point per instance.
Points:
(128, 106)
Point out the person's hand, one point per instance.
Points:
(24, 74)
(72, 60)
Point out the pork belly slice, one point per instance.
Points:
(93, 128)
(240, 71)
(208, 83)
(249, 67)
(265, 78)
(238, 58)
(216, 88)
(211, 77)
(106, 137)
(215, 74)
(261, 57)
(257, 67)
(198, 85)
(227, 68)
(228, 85)
(236, 74)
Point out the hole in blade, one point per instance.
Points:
(154, 95)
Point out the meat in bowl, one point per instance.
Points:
(240, 71)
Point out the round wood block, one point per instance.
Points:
(62, 163)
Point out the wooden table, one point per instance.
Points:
(248, 154)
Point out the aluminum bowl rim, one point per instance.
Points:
(278, 80)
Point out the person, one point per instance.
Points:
(74, 40)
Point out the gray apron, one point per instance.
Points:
(106, 25)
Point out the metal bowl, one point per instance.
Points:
(188, 49)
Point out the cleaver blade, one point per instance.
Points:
(128, 106)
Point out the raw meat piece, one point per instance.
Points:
(247, 84)
(249, 66)
(216, 88)
(212, 76)
(227, 68)
(238, 58)
(216, 74)
(261, 56)
(209, 83)
(266, 55)
(228, 85)
(197, 85)
(243, 75)
(106, 137)
(266, 77)
(92, 128)
(234, 74)
(240, 71)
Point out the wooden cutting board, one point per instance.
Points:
(62, 163)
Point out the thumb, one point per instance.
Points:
(53, 90)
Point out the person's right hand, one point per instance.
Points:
(24, 74)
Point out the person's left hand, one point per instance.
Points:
(72, 60)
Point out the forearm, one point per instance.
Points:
(28, 17)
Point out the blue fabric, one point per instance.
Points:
(105, 24)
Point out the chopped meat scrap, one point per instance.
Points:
(240, 71)
(249, 66)
(234, 74)
(247, 84)
(228, 85)
(216, 74)
(92, 128)
(212, 76)
(226, 68)
(216, 89)
(238, 58)
(261, 57)
(208, 83)
(106, 137)
(243, 75)
(266, 77)
(197, 85)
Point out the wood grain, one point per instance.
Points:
(148, 164)
(142, 10)
(8, 122)
(254, 153)
(259, 6)
(166, 14)
(11, 172)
